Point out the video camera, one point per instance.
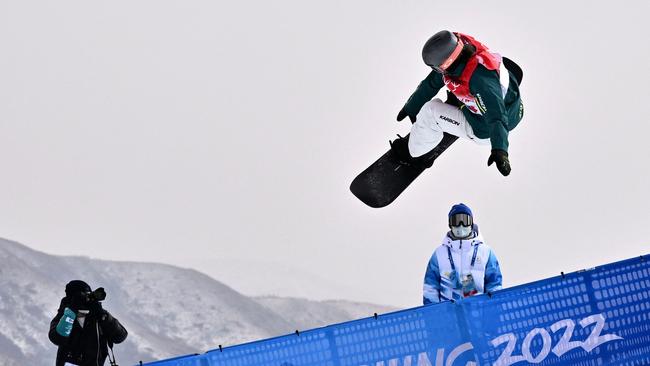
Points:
(95, 296)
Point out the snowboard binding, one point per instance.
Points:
(399, 149)
(401, 155)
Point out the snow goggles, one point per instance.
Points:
(442, 68)
(460, 219)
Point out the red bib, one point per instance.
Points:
(460, 86)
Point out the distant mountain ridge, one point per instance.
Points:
(167, 310)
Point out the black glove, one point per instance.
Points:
(96, 309)
(501, 158)
(403, 113)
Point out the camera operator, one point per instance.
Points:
(82, 329)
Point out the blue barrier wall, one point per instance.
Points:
(594, 317)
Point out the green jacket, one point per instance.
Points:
(499, 115)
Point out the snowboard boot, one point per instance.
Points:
(400, 149)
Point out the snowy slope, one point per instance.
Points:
(167, 310)
(285, 281)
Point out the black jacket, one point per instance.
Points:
(86, 346)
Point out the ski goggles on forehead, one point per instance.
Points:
(461, 220)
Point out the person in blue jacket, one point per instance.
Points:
(463, 265)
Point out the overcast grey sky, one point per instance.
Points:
(193, 132)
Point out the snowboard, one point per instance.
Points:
(385, 179)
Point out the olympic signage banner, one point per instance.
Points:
(599, 316)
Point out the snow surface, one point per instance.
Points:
(167, 310)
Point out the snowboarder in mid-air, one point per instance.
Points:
(483, 102)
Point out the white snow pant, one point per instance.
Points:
(434, 118)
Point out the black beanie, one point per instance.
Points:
(76, 287)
